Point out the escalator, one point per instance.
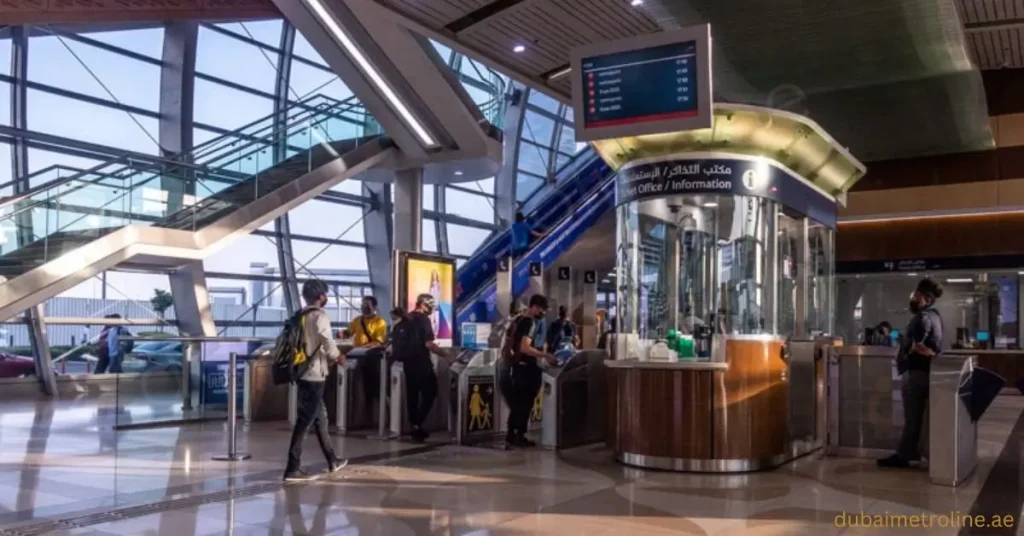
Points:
(578, 222)
(164, 215)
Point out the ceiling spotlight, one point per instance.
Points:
(518, 48)
(636, 3)
(458, 173)
(710, 204)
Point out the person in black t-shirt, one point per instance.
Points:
(420, 379)
(525, 372)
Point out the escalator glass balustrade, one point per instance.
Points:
(60, 213)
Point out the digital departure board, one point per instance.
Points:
(646, 85)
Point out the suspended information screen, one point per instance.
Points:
(643, 85)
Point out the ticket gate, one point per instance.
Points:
(474, 412)
(359, 389)
(330, 389)
(574, 401)
(437, 419)
(865, 409)
(806, 361)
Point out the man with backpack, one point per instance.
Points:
(562, 333)
(524, 370)
(412, 342)
(110, 349)
(316, 354)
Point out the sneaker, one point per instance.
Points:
(894, 461)
(336, 465)
(520, 441)
(298, 476)
(525, 442)
(419, 436)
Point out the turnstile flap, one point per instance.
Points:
(980, 390)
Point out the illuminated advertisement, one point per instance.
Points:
(428, 274)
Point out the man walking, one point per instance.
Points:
(109, 350)
(321, 353)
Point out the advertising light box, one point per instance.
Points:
(650, 84)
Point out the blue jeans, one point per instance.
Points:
(109, 364)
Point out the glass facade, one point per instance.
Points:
(732, 264)
(96, 95)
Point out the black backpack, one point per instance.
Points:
(406, 341)
(289, 353)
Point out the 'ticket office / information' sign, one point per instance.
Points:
(644, 85)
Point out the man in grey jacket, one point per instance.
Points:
(322, 353)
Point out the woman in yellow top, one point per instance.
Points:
(368, 329)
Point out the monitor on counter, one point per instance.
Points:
(650, 84)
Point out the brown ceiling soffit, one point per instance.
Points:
(1003, 90)
(991, 234)
(979, 166)
(110, 11)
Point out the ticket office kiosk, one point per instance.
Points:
(574, 401)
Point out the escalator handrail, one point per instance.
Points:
(56, 183)
(598, 190)
(571, 164)
(559, 185)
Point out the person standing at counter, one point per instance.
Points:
(524, 369)
(880, 336)
(921, 342)
(412, 342)
(369, 331)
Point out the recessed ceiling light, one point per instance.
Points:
(518, 48)
(636, 3)
(710, 204)
(458, 173)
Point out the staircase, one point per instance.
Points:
(169, 213)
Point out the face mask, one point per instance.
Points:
(366, 310)
(915, 307)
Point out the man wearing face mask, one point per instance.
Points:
(369, 331)
(524, 368)
(921, 342)
(412, 344)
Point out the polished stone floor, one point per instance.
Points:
(63, 472)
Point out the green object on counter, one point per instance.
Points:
(681, 344)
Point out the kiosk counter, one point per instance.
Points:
(729, 414)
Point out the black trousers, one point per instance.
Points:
(526, 381)
(310, 412)
(915, 405)
(420, 390)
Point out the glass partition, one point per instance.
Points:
(978, 309)
(722, 264)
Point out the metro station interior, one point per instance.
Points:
(726, 207)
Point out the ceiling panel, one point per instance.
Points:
(436, 13)
(975, 11)
(998, 48)
(550, 29)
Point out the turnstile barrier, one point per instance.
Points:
(437, 419)
(475, 406)
(574, 401)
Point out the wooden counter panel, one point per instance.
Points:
(661, 412)
(1009, 365)
(751, 402)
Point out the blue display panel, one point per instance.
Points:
(651, 84)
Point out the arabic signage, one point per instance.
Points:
(988, 262)
(734, 175)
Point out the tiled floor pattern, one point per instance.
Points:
(66, 467)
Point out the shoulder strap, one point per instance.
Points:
(362, 322)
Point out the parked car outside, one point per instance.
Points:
(16, 366)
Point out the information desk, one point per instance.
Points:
(726, 415)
